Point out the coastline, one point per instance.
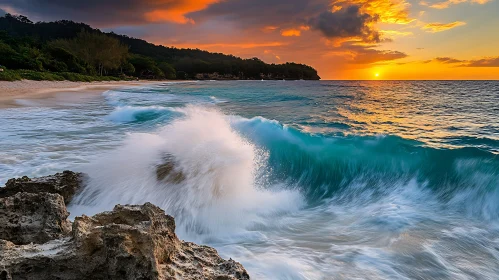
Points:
(27, 89)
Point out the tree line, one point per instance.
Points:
(66, 46)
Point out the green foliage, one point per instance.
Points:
(8, 75)
(103, 52)
(128, 68)
(15, 75)
(146, 67)
(64, 47)
(168, 70)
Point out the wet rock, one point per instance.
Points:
(168, 172)
(130, 242)
(67, 184)
(33, 217)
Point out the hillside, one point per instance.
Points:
(66, 48)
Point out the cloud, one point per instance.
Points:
(333, 18)
(249, 45)
(448, 3)
(260, 13)
(291, 32)
(176, 11)
(365, 55)
(482, 62)
(343, 19)
(112, 12)
(269, 28)
(387, 11)
(395, 33)
(349, 22)
(439, 27)
(370, 56)
(2, 12)
(448, 60)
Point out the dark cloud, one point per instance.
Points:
(369, 56)
(2, 12)
(448, 60)
(484, 62)
(90, 11)
(347, 23)
(110, 12)
(116, 12)
(264, 12)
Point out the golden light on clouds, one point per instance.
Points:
(388, 11)
(176, 11)
(291, 32)
(294, 31)
(363, 39)
(439, 27)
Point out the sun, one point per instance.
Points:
(376, 75)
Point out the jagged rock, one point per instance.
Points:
(33, 217)
(130, 242)
(67, 184)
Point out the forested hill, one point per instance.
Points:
(69, 47)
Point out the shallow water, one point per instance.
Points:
(296, 180)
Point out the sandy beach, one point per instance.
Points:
(25, 90)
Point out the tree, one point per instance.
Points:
(168, 70)
(103, 52)
(146, 67)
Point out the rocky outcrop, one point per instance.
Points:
(33, 218)
(67, 184)
(130, 242)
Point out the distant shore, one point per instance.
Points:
(25, 89)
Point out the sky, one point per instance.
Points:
(342, 39)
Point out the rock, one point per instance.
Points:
(130, 242)
(33, 217)
(67, 184)
(168, 172)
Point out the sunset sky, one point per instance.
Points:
(342, 39)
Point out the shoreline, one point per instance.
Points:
(33, 90)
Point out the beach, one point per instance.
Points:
(10, 92)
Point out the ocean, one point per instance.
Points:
(294, 179)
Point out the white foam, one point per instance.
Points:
(219, 193)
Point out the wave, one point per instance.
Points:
(125, 114)
(210, 168)
(258, 167)
(328, 167)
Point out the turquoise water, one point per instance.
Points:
(296, 180)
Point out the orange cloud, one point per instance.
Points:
(176, 11)
(294, 31)
(396, 33)
(291, 32)
(229, 45)
(439, 27)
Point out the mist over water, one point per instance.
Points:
(296, 180)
